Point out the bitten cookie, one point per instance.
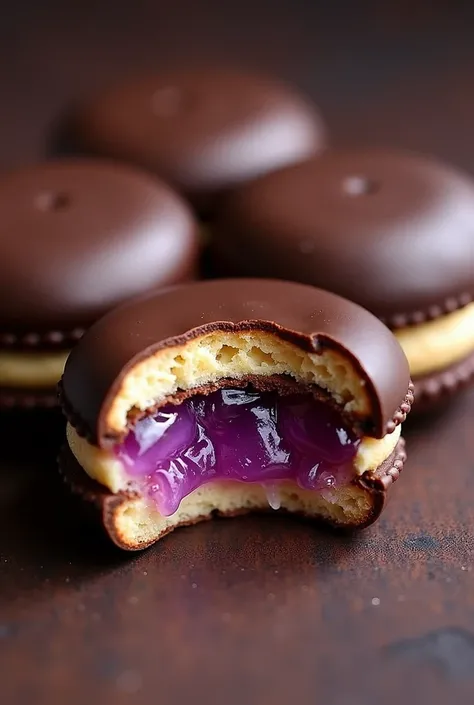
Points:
(230, 396)
(390, 230)
(203, 130)
(76, 239)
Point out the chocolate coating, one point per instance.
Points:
(79, 237)
(202, 130)
(21, 398)
(309, 317)
(436, 388)
(390, 230)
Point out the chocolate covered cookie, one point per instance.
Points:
(228, 396)
(76, 239)
(390, 230)
(203, 130)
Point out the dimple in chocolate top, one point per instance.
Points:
(79, 237)
(311, 318)
(202, 130)
(391, 230)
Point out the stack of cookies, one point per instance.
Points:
(234, 310)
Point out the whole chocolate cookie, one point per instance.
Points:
(229, 396)
(390, 230)
(76, 239)
(203, 130)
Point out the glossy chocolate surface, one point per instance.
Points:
(284, 612)
(309, 317)
(391, 230)
(79, 237)
(204, 130)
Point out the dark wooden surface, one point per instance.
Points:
(254, 610)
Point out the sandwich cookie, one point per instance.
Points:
(223, 397)
(76, 239)
(202, 130)
(390, 230)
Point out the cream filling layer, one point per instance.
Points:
(105, 468)
(437, 344)
(32, 369)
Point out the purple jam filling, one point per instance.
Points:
(238, 434)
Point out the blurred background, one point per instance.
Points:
(396, 72)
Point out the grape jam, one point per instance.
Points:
(238, 434)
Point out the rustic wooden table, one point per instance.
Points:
(259, 610)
